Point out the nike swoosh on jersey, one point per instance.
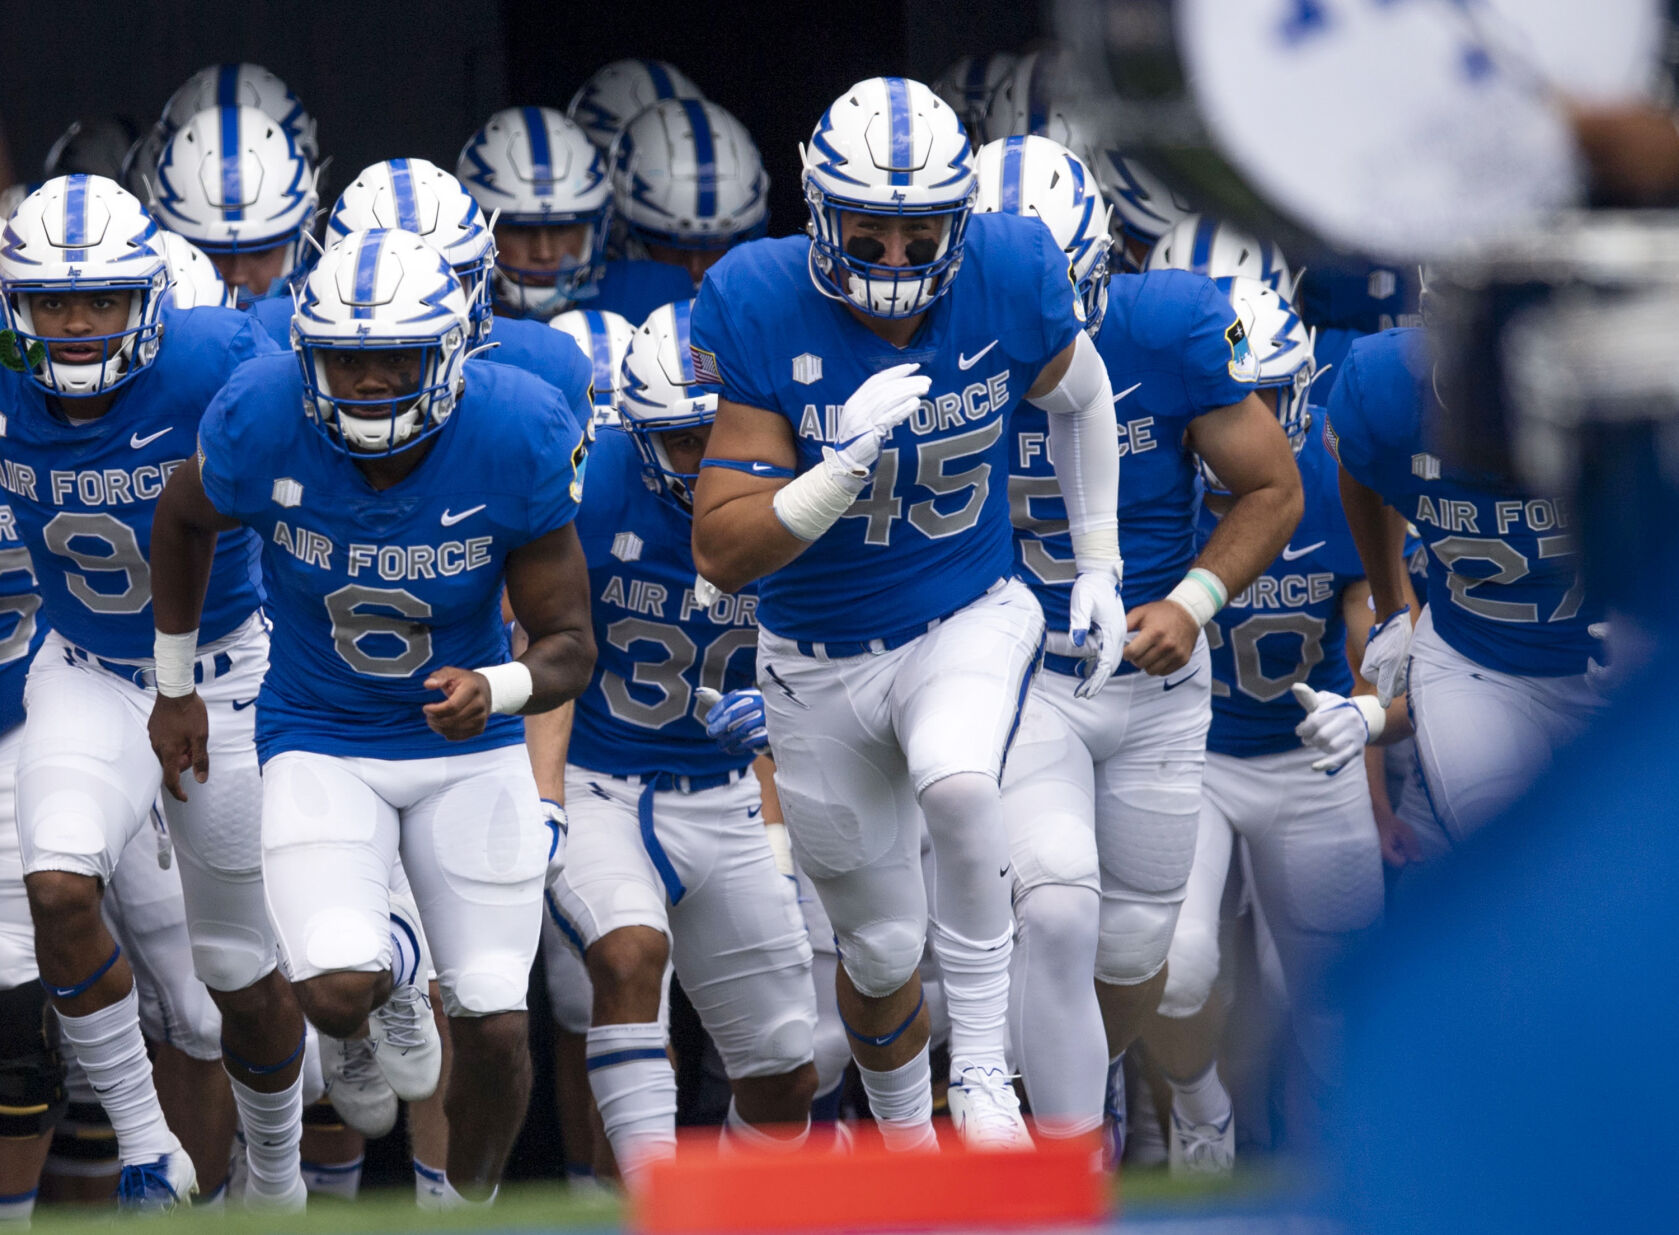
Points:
(136, 441)
(1182, 680)
(449, 520)
(968, 362)
(1129, 389)
(1291, 553)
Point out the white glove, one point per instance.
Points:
(1387, 657)
(1336, 726)
(874, 409)
(1097, 627)
(1603, 676)
(553, 814)
(781, 847)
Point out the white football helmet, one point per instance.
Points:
(1031, 100)
(420, 197)
(193, 280)
(661, 393)
(381, 290)
(82, 234)
(617, 91)
(233, 181)
(887, 146)
(1202, 244)
(686, 174)
(1038, 177)
(604, 338)
(1274, 351)
(241, 85)
(530, 166)
(1145, 207)
(968, 86)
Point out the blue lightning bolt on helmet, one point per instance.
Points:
(83, 234)
(887, 147)
(1204, 245)
(661, 393)
(686, 174)
(1037, 177)
(381, 290)
(604, 339)
(420, 197)
(617, 91)
(233, 181)
(968, 86)
(531, 167)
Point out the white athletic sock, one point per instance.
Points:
(635, 1089)
(339, 1180)
(431, 1186)
(108, 1045)
(18, 1207)
(273, 1124)
(738, 1133)
(1203, 1100)
(454, 1200)
(902, 1102)
(976, 992)
(1056, 1023)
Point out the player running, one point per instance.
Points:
(870, 376)
(391, 513)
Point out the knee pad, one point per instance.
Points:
(347, 939)
(486, 989)
(1059, 918)
(226, 958)
(32, 1096)
(1192, 970)
(1134, 936)
(775, 1049)
(880, 957)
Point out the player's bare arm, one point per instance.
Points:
(737, 536)
(184, 530)
(1379, 532)
(548, 589)
(1247, 448)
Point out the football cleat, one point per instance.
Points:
(356, 1087)
(408, 1048)
(985, 1110)
(166, 1183)
(1202, 1149)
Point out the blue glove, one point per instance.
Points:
(735, 721)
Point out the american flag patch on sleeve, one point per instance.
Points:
(705, 366)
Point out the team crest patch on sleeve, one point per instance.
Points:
(807, 369)
(706, 371)
(1332, 439)
(1244, 365)
(287, 492)
(579, 458)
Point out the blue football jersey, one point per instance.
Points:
(931, 531)
(1346, 299)
(22, 626)
(1503, 578)
(656, 643)
(274, 315)
(633, 289)
(1167, 346)
(83, 493)
(371, 590)
(552, 355)
(1286, 626)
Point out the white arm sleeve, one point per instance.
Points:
(1084, 443)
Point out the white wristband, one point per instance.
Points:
(1201, 593)
(811, 503)
(174, 656)
(1375, 715)
(1098, 550)
(510, 686)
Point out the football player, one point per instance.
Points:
(391, 513)
(968, 85)
(1103, 792)
(546, 186)
(604, 338)
(104, 390)
(871, 373)
(1497, 668)
(1312, 853)
(233, 181)
(617, 91)
(668, 858)
(688, 185)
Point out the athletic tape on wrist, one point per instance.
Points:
(1201, 593)
(510, 686)
(814, 501)
(174, 657)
